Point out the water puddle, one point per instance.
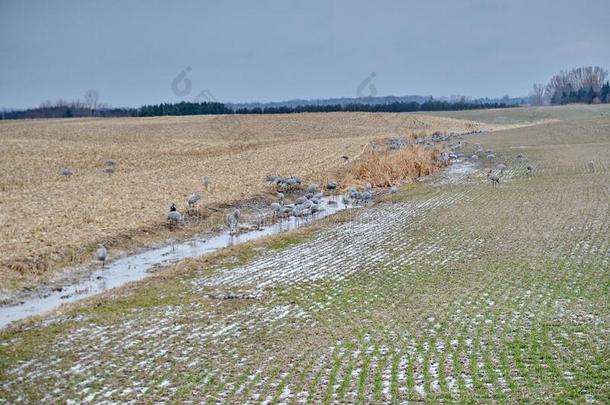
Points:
(139, 265)
(458, 172)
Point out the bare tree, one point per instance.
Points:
(588, 77)
(60, 102)
(575, 80)
(537, 94)
(91, 98)
(458, 98)
(558, 85)
(78, 105)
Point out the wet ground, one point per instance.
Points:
(457, 292)
(135, 266)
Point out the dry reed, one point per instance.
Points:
(386, 168)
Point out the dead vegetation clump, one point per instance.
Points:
(386, 168)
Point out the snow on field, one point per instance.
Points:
(465, 291)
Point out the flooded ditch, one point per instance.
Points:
(138, 265)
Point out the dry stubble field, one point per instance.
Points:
(48, 222)
(452, 291)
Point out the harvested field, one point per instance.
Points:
(49, 221)
(450, 290)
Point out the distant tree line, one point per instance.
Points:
(88, 107)
(579, 85)
(63, 109)
(182, 108)
(219, 108)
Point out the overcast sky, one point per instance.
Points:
(131, 51)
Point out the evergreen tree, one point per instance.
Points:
(591, 95)
(604, 94)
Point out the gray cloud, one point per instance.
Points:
(276, 50)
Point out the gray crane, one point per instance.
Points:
(174, 217)
(232, 220)
(66, 172)
(366, 197)
(495, 180)
(101, 254)
(312, 188)
(193, 199)
(332, 187)
(276, 207)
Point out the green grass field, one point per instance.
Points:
(449, 291)
(529, 114)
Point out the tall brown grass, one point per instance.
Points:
(386, 168)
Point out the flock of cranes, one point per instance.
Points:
(108, 169)
(110, 165)
(307, 204)
(311, 201)
(285, 183)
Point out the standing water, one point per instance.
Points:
(139, 265)
(458, 172)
